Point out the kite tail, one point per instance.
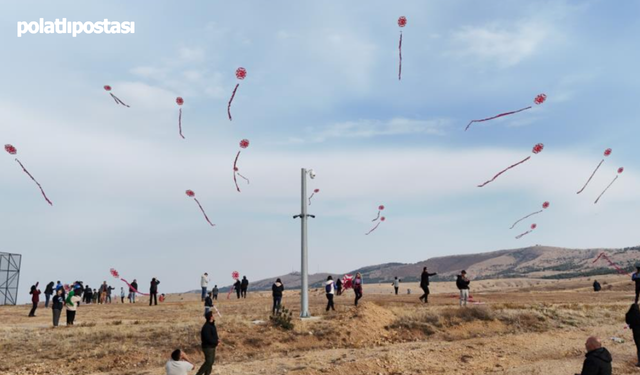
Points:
(204, 213)
(496, 116)
(312, 194)
(535, 213)
(400, 61)
(377, 217)
(37, 183)
(374, 228)
(230, 100)
(235, 169)
(523, 234)
(504, 170)
(605, 190)
(132, 288)
(118, 100)
(180, 123)
(592, 174)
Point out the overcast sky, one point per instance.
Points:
(321, 92)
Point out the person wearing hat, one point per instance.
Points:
(636, 277)
(463, 285)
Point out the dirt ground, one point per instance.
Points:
(515, 326)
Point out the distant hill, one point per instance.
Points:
(531, 262)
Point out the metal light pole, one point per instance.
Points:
(304, 268)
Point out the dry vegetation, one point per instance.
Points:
(540, 330)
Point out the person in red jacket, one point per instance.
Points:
(35, 298)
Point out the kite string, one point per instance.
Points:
(605, 190)
(34, 180)
(496, 116)
(535, 213)
(504, 170)
(400, 61)
(204, 213)
(180, 122)
(132, 288)
(592, 174)
(230, 100)
(374, 228)
(246, 179)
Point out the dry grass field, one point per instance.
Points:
(521, 327)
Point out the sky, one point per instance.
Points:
(321, 92)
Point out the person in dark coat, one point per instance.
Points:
(244, 285)
(208, 303)
(596, 286)
(236, 286)
(210, 340)
(35, 299)
(462, 283)
(598, 359)
(276, 291)
(48, 292)
(633, 320)
(636, 278)
(424, 284)
(133, 289)
(339, 286)
(56, 307)
(153, 291)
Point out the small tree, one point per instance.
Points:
(282, 319)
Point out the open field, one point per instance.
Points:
(523, 326)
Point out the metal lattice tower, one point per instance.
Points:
(9, 278)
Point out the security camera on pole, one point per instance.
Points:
(304, 287)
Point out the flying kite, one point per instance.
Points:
(380, 209)
(607, 152)
(117, 100)
(347, 282)
(191, 194)
(545, 205)
(536, 150)
(533, 226)
(538, 100)
(612, 264)
(13, 151)
(243, 144)
(620, 170)
(377, 225)
(116, 275)
(235, 275)
(180, 102)
(312, 194)
(402, 22)
(241, 74)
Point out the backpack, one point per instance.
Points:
(327, 288)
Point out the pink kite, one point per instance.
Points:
(538, 100)
(116, 275)
(376, 227)
(533, 226)
(545, 205)
(117, 100)
(380, 209)
(13, 151)
(620, 170)
(607, 152)
(612, 264)
(191, 194)
(536, 150)
(241, 74)
(180, 102)
(402, 22)
(347, 282)
(243, 144)
(315, 191)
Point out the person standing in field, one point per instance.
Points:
(133, 289)
(103, 292)
(339, 286)
(214, 292)
(357, 287)
(179, 364)
(208, 304)
(153, 291)
(204, 284)
(121, 294)
(636, 278)
(633, 320)
(463, 285)
(396, 284)
(329, 289)
(244, 286)
(87, 295)
(96, 296)
(109, 292)
(71, 304)
(35, 299)
(277, 290)
(424, 284)
(236, 286)
(210, 340)
(48, 292)
(56, 307)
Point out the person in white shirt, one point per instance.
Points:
(204, 283)
(396, 284)
(179, 364)
(329, 289)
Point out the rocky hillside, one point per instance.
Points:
(530, 262)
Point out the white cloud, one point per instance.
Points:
(375, 128)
